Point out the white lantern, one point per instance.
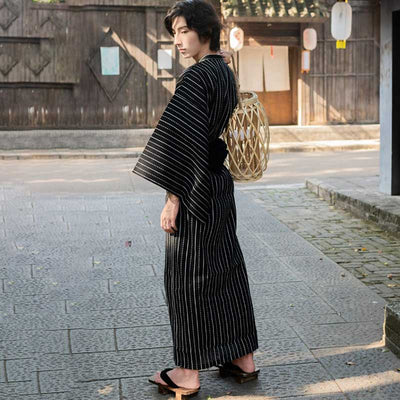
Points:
(236, 38)
(310, 38)
(341, 20)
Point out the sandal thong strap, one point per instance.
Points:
(234, 367)
(167, 379)
(230, 365)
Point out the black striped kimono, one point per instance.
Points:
(206, 282)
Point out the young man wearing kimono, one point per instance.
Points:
(205, 278)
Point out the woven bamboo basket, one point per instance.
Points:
(247, 136)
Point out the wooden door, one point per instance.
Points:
(281, 107)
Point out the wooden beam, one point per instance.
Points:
(278, 19)
(271, 40)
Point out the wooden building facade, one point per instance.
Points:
(52, 75)
(342, 85)
(50, 64)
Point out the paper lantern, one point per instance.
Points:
(236, 38)
(310, 38)
(341, 20)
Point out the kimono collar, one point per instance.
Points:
(209, 56)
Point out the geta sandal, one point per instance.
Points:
(229, 369)
(181, 393)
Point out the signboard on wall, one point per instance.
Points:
(164, 58)
(109, 60)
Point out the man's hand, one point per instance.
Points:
(169, 213)
(226, 54)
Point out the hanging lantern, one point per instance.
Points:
(310, 38)
(236, 38)
(341, 23)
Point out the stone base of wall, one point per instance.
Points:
(391, 327)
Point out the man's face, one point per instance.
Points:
(186, 40)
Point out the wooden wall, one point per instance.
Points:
(49, 64)
(46, 80)
(343, 85)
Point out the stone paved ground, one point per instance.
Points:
(361, 247)
(83, 313)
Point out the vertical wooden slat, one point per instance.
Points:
(151, 45)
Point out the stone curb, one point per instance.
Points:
(98, 139)
(134, 152)
(357, 203)
(391, 327)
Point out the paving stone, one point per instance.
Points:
(340, 334)
(293, 306)
(90, 320)
(280, 289)
(44, 206)
(132, 261)
(92, 340)
(51, 361)
(68, 204)
(113, 365)
(22, 369)
(363, 371)
(55, 381)
(56, 307)
(354, 304)
(15, 272)
(321, 270)
(144, 337)
(264, 223)
(2, 371)
(92, 273)
(315, 319)
(288, 244)
(18, 389)
(136, 284)
(35, 342)
(282, 351)
(255, 251)
(274, 328)
(115, 301)
(56, 286)
(91, 218)
(107, 389)
(269, 270)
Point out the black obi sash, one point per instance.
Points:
(217, 154)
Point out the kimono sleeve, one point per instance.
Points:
(176, 155)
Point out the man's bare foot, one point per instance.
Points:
(246, 363)
(186, 378)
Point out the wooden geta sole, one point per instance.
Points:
(180, 393)
(240, 377)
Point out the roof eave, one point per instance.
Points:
(297, 20)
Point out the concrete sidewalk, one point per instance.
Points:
(47, 144)
(83, 312)
(361, 196)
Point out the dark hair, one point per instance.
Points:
(200, 16)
